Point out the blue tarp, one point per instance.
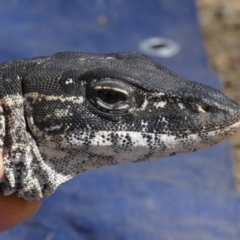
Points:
(187, 197)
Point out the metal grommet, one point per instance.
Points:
(159, 47)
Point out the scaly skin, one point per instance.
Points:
(72, 112)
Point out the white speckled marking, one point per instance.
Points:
(69, 81)
(160, 104)
(181, 105)
(39, 97)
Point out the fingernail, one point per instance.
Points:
(1, 166)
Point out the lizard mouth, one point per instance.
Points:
(233, 123)
(226, 122)
(232, 128)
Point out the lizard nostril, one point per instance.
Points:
(203, 108)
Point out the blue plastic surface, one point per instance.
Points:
(187, 197)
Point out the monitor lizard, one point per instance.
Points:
(71, 112)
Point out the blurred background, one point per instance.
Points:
(220, 21)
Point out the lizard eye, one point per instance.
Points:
(111, 95)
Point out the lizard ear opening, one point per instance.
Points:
(110, 95)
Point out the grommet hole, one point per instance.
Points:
(159, 47)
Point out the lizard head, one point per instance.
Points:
(89, 110)
(99, 98)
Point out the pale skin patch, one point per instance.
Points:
(144, 105)
(160, 104)
(69, 81)
(157, 94)
(36, 97)
(59, 113)
(181, 105)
